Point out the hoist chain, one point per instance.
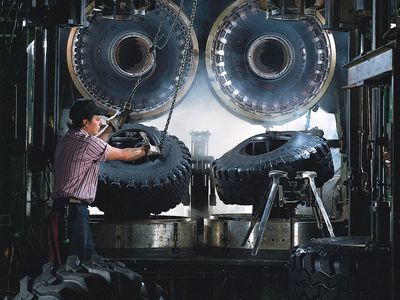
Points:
(182, 66)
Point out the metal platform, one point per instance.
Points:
(223, 235)
(159, 235)
(179, 238)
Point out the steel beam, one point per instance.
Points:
(369, 66)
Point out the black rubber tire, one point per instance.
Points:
(128, 190)
(339, 268)
(94, 279)
(241, 175)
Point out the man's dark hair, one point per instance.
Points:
(80, 110)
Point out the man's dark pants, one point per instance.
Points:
(75, 238)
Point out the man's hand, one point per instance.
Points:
(119, 118)
(153, 151)
(148, 148)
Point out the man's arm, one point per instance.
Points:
(127, 154)
(105, 133)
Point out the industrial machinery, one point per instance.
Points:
(105, 57)
(275, 65)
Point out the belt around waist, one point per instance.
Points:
(72, 200)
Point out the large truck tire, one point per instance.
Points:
(94, 279)
(241, 175)
(135, 190)
(343, 268)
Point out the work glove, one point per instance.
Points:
(118, 119)
(153, 151)
(149, 149)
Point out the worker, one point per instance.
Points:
(76, 169)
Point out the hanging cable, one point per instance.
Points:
(151, 52)
(170, 31)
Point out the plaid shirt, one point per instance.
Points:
(76, 165)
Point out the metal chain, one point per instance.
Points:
(66, 215)
(180, 74)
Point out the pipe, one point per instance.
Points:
(380, 190)
(55, 79)
(44, 90)
(41, 93)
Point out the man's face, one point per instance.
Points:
(93, 126)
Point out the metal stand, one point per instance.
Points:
(317, 205)
(202, 186)
(265, 206)
(276, 175)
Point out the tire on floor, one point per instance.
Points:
(94, 279)
(134, 190)
(241, 175)
(341, 268)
